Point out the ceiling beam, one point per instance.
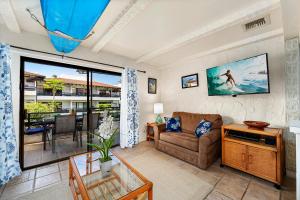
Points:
(240, 43)
(132, 10)
(226, 22)
(9, 16)
(291, 18)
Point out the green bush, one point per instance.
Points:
(104, 106)
(36, 107)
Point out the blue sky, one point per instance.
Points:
(62, 72)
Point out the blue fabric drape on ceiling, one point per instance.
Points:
(74, 18)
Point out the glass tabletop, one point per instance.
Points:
(115, 184)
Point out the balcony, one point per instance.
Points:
(29, 88)
(110, 94)
(38, 149)
(77, 94)
(30, 91)
(63, 96)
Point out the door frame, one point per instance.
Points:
(24, 59)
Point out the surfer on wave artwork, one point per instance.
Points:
(247, 76)
(230, 78)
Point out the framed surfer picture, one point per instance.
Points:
(247, 76)
(189, 81)
(152, 85)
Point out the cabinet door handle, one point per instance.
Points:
(250, 159)
(243, 157)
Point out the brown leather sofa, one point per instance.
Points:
(201, 152)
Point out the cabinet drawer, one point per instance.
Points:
(262, 163)
(234, 155)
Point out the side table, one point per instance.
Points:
(150, 131)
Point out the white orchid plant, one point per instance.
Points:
(106, 136)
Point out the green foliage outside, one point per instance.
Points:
(104, 106)
(35, 107)
(55, 85)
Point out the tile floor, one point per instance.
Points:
(225, 183)
(34, 153)
(35, 179)
(221, 183)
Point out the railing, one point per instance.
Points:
(26, 84)
(113, 94)
(32, 117)
(29, 88)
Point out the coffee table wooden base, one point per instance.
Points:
(112, 185)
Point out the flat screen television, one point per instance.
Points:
(247, 76)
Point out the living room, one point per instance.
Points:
(149, 99)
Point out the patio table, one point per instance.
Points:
(46, 123)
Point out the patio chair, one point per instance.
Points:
(94, 122)
(33, 130)
(64, 125)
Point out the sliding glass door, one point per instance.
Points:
(105, 96)
(61, 106)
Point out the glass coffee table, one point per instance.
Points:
(87, 182)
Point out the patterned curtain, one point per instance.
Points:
(9, 162)
(129, 134)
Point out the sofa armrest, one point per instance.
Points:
(157, 130)
(210, 138)
(209, 148)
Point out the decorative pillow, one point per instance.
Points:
(173, 124)
(203, 128)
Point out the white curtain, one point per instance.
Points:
(9, 159)
(129, 134)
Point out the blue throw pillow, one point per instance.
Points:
(203, 128)
(173, 124)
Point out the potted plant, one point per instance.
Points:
(106, 137)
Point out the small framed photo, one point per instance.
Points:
(189, 81)
(152, 85)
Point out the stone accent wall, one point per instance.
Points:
(292, 95)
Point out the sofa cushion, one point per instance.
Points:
(189, 121)
(173, 124)
(185, 140)
(203, 128)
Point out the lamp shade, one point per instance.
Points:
(158, 108)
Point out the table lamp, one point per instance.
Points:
(158, 109)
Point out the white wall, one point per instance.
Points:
(42, 43)
(67, 88)
(265, 107)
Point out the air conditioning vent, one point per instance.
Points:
(258, 23)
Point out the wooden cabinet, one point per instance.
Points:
(257, 152)
(261, 163)
(235, 155)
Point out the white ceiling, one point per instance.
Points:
(158, 32)
(163, 22)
